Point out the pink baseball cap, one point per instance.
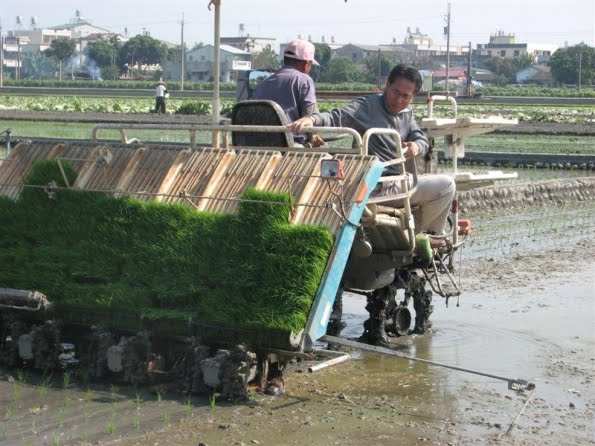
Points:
(301, 50)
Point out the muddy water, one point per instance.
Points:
(542, 332)
(529, 316)
(547, 338)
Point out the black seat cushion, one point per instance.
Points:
(260, 112)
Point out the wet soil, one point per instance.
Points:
(528, 315)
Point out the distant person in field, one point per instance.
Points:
(160, 95)
(292, 87)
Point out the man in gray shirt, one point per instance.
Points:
(291, 86)
(391, 109)
(433, 194)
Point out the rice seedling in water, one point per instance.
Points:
(4, 432)
(110, 427)
(16, 393)
(42, 393)
(138, 401)
(89, 395)
(27, 442)
(43, 389)
(114, 390)
(166, 416)
(60, 418)
(159, 398)
(55, 440)
(65, 380)
(136, 422)
(188, 407)
(9, 414)
(213, 401)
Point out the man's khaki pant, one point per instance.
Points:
(433, 196)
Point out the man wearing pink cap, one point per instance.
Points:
(291, 86)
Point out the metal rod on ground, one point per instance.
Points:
(520, 383)
(518, 416)
(329, 362)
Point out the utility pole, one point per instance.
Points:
(1, 58)
(18, 68)
(447, 32)
(580, 67)
(469, 72)
(379, 68)
(183, 56)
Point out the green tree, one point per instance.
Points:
(104, 52)
(371, 68)
(61, 49)
(265, 59)
(341, 69)
(35, 65)
(323, 53)
(142, 50)
(565, 64)
(505, 69)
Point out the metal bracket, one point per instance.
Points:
(51, 189)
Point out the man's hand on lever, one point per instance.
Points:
(410, 149)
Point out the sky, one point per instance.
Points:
(370, 22)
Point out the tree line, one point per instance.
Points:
(114, 58)
(102, 59)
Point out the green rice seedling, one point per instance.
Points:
(65, 380)
(110, 427)
(138, 401)
(251, 395)
(16, 393)
(166, 416)
(60, 418)
(56, 440)
(4, 432)
(136, 422)
(21, 376)
(213, 401)
(114, 391)
(89, 394)
(85, 437)
(43, 390)
(27, 442)
(9, 414)
(159, 397)
(188, 407)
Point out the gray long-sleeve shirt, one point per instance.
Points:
(371, 111)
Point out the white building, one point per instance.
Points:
(200, 64)
(504, 46)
